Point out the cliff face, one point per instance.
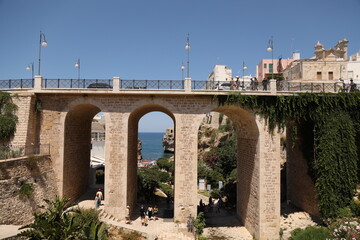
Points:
(168, 141)
(208, 137)
(139, 148)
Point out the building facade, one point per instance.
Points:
(269, 66)
(353, 68)
(327, 65)
(220, 73)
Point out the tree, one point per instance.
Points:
(61, 220)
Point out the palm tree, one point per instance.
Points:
(62, 220)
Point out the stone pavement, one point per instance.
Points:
(8, 231)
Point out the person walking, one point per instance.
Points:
(127, 218)
(142, 215)
(97, 201)
(264, 83)
(156, 210)
(99, 193)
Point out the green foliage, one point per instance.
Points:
(215, 193)
(355, 208)
(333, 121)
(25, 190)
(335, 167)
(164, 163)
(310, 233)
(8, 119)
(60, 220)
(199, 223)
(148, 181)
(167, 189)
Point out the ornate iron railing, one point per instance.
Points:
(126, 84)
(16, 83)
(152, 84)
(77, 83)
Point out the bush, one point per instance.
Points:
(215, 193)
(199, 223)
(355, 208)
(26, 190)
(310, 233)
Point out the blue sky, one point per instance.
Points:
(145, 39)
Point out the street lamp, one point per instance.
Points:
(187, 48)
(182, 70)
(77, 65)
(270, 48)
(244, 68)
(30, 67)
(42, 43)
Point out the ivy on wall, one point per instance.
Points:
(8, 119)
(330, 121)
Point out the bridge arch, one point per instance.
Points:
(133, 122)
(76, 149)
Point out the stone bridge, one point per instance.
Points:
(62, 119)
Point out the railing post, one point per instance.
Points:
(187, 84)
(273, 86)
(116, 84)
(38, 83)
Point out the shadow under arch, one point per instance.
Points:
(248, 183)
(133, 125)
(77, 147)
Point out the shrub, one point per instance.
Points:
(355, 208)
(25, 190)
(199, 223)
(310, 233)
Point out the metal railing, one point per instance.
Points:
(152, 84)
(15, 151)
(77, 83)
(16, 83)
(283, 86)
(126, 84)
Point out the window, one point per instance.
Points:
(265, 65)
(318, 76)
(270, 68)
(331, 76)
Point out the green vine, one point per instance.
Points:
(8, 119)
(328, 124)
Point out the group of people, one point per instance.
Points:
(148, 214)
(254, 84)
(213, 204)
(349, 87)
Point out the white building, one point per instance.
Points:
(220, 73)
(353, 68)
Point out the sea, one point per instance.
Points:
(152, 145)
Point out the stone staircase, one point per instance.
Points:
(158, 230)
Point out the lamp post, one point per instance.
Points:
(42, 43)
(77, 65)
(243, 80)
(270, 48)
(182, 70)
(187, 48)
(29, 67)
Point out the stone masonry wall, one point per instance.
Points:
(34, 170)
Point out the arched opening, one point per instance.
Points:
(230, 167)
(77, 147)
(145, 170)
